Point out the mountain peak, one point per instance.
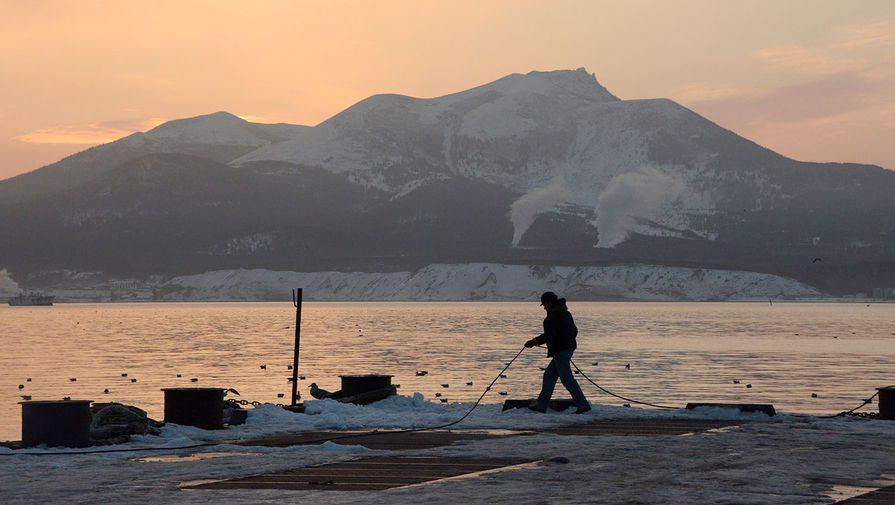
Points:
(218, 127)
(578, 83)
(205, 120)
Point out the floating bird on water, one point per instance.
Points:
(445, 385)
(179, 375)
(813, 395)
(133, 380)
(749, 386)
(628, 366)
(443, 400)
(437, 395)
(263, 367)
(194, 380)
(26, 397)
(288, 367)
(29, 378)
(595, 363)
(124, 375)
(106, 390)
(502, 393)
(469, 383)
(301, 377)
(736, 381)
(503, 376)
(421, 373)
(279, 395)
(73, 379)
(21, 386)
(318, 393)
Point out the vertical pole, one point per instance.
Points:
(296, 300)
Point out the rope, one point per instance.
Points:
(413, 430)
(601, 388)
(849, 412)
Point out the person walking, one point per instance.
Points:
(559, 335)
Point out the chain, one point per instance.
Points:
(250, 402)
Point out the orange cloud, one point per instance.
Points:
(89, 134)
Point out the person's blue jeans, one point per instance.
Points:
(560, 368)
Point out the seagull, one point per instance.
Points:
(231, 390)
(318, 393)
(815, 260)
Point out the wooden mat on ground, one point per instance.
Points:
(640, 427)
(882, 496)
(366, 474)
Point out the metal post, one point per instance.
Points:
(296, 300)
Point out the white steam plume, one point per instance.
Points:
(631, 195)
(524, 210)
(7, 285)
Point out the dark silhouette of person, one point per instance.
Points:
(559, 335)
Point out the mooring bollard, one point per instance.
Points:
(55, 423)
(887, 403)
(354, 384)
(199, 407)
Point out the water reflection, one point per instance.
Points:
(678, 352)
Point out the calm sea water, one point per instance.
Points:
(678, 352)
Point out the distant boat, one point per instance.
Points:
(31, 299)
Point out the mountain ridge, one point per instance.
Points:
(537, 168)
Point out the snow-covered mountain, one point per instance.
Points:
(220, 136)
(545, 168)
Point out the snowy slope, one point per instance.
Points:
(485, 281)
(526, 133)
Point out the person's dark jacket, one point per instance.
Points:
(559, 329)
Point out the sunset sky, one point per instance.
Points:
(812, 80)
